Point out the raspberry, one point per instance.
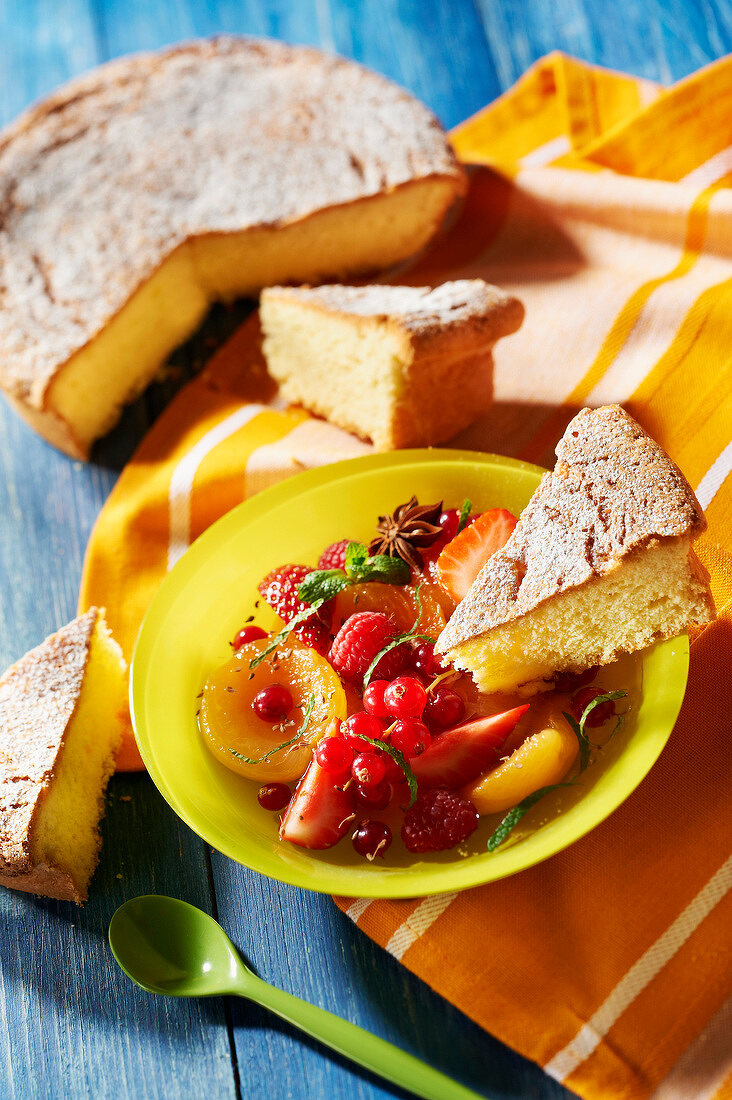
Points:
(360, 639)
(279, 589)
(334, 556)
(438, 820)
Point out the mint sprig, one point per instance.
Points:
(579, 727)
(324, 584)
(401, 761)
(411, 635)
(514, 815)
(464, 514)
(285, 744)
(512, 818)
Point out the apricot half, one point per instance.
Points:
(542, 759)
(397, 601)
(230, 725)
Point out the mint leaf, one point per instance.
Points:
(410, 636)
(360, 567)
(584, 742)
(399, 758)
(600, 699)
(285, 744)
(356, 555)
(464, 514)
(275, 641)
(388, 570)
(513, 816)
(322, 584)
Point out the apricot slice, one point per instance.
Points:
(230, 725)
(397, 601)
(543, 758)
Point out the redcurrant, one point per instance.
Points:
(334, 755)
(373, 698)
(448, 521)
(274, 796)
(273, 703)
(405, 697)
(373, 798)
(444, 708)
(362, 725)
(368, 769)
(248, 634)
(599, 715)
(410, 736)
(372, 838)
(424, 660)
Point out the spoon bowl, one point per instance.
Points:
(172, 948)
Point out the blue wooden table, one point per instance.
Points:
(70, 1023)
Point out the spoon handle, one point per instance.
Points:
(360, 1046)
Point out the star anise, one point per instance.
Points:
(411, 527)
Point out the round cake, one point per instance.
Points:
(140, 193)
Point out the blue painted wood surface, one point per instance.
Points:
(70, 1023)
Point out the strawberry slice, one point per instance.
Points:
(463, 558)
(319, 812)
(464, 752)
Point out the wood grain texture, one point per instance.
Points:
(71, 1024)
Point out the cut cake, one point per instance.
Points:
(138, 194)
(62, 708)
(601, 563)
(403, 366)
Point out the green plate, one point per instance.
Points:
(208, 594)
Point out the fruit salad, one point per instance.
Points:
(351, 727)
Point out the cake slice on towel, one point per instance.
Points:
(62, 708)
(403, 366)
(601, 563)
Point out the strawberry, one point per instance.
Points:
(334, 556)
(319, 812)
(462, 559)
(279, 589)
(359, 640)
(462, 753)
(438, 820)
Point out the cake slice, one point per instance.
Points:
(142, 192)
(601, 563)
(403, 366)
(62, 708)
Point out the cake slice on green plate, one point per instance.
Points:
(601, 563)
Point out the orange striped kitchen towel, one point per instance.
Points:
(604, 203)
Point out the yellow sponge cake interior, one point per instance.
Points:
(656, 594)
(66, 833)
(62, 711)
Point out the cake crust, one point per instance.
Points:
(478, 311)
(38, 697)
(101, 182)
(613, 492)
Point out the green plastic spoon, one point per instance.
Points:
(169, 947)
